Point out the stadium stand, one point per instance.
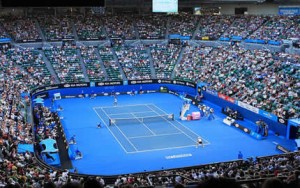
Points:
(55, 28)
(89, 27)
(65, 62)
(92, 64)
(232, 70)
(151, 27)
(164, 58)
(183, 24)
(134, 61)
(110, 63)
(22, 29)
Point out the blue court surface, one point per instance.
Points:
(139, 135)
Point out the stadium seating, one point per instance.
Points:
(110, 64)
(89, 28)
(22, 29)
(65, 62)
(261, 78)
(56, 28)
(92, 64)
(134, 61)
(151, 27)
(164, 58)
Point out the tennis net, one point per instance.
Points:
(138, 120)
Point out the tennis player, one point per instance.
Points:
(199, 142)
(115, 101)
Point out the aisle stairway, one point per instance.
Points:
(49, 66)
(86, 77)
(74, 31)
(153, 75)
(101, 64)
(120, 67)
(177, 62)
(40, 30)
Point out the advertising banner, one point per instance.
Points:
(225, 97)
(248, 107)
(268, 115)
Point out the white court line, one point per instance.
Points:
(148, 150)
(207, 142)
(120, 106)
(153, 133)
(147, 136)
(174, 126)
(122, 132)
(130, 113)
(110, 131)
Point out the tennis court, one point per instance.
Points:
(142, 137)
(145, 127)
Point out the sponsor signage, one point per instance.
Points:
(225, 97)
(289, 11)
(163, 89)
(43, 95)
(282, 120)
(164, 81)
(268, 115)
(112, 83)
(283, 149)
(248, 107)
(69, 96)
(246, 130)
(149, 91)
(178, 82)
(212, 92)
(72, 85)
(133, 82)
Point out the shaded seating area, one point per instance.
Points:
(92, 64)
(134, 61)
(55, 28)
(151, 27)
(183, 24)
(22, 29)
(111, 66)
(65, 62)
(89, 27)
(164, 58)
(191, 63)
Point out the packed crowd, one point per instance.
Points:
(3, 33)
(65, 62)
(135, 62)
(89, 28)
(269, 81)
(204, 27)
(243, 26)
(164, 59)
(184, 24)
(260, 78)
(22, 29)
(110, 63)
(56, 28)
(31, 61)
(252, 168)
(213, 26)
(151, 27)
(120, 26)
(278, 28)
(91, 61)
